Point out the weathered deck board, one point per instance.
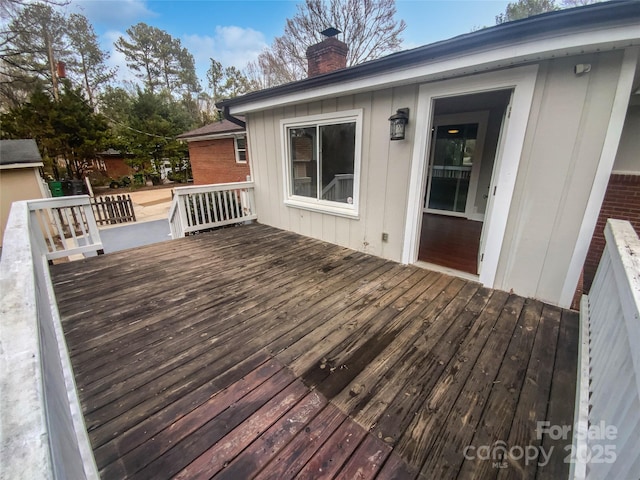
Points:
(256, 353)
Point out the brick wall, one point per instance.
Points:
(214, 161)
(621, 201)
(116, 168)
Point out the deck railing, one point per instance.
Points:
(68, 226)
(208, 206)
(608, 424)
(339, 189)
(113, 209)
(42, 430)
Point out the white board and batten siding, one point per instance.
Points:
(383, 174)
(565, 134)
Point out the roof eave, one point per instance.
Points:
(14, 166)
(212, 136)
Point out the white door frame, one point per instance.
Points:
(522, 80)
(481, 117)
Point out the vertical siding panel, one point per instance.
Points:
(314, 108)
(343, 226)
(515, 222)
(397, 175)
(549, 204)
(279, 168)
(547, 167)
(581, 171)
(357, 232)
(376, 174)
(329, 228)
(348, 228)
(302, 110)
(329, 105)
(274, 186)
(316, 224)
(345, 103)
(292, 213)
(305, 221)
(260, 157)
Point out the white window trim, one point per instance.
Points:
(313, 204)
(237, 150)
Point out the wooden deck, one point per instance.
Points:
(256, 353)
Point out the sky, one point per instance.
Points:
(235, 32)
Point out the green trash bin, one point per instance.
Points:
(56, 189)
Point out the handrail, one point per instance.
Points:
(202, 207)
(42, 430)
(609, 373)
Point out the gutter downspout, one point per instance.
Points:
(232, 119)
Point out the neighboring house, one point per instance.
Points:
(112, 162)
(513, 136)
(20, 179)
(218, 153)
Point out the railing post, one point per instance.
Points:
(182, 212)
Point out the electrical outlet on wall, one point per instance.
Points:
(385, 237)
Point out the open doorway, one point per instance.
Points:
(465, 134)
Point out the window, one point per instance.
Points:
(241, 149)
(322, 162)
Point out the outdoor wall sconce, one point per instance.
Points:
(398, 123)
(582, 68)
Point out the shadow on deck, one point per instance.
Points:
(256, 353)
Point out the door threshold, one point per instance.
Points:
(449, 271)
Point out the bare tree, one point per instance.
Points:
(32, 44)
(368, 27)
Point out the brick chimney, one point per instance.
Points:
(326, 56)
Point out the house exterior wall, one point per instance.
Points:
(561, 153)
(214, 161)
(628, 155)
(16, 184)
(384, 166)
(564, 139)
(116, 168)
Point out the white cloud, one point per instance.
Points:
(116, 58)
(229, 45)
(113, 13)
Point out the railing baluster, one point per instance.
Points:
(210, 206)
(75, 213)
(610, 360)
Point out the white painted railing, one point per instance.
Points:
(42, 430)
(208, 206)
(608, 414)
(339, 189)
(68, 226)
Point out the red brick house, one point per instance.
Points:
(112, 162)
(218, 153)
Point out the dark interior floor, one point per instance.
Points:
(451, 242)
